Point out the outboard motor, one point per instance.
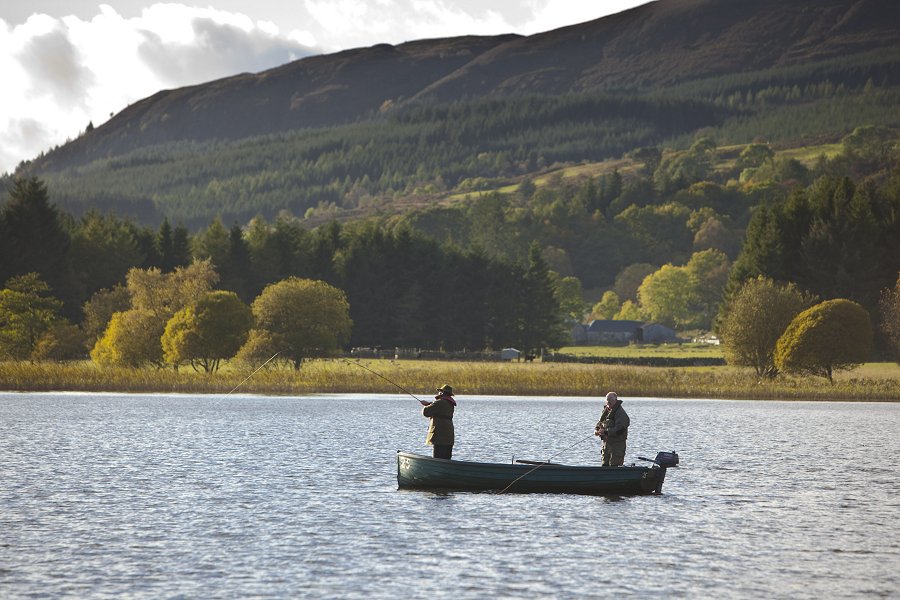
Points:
(666, 459)
(663, 460)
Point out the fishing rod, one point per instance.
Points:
(545, 463)
(397, 385)
(254, 372)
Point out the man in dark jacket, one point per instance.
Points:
(440, 429)
(613, 430)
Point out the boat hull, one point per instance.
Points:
(423, 472)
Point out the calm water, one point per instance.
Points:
(116, 496)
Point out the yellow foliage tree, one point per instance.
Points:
(131, 340)
(832, 335)
(207, 331)
(299, 318)
(133, 337)
(755, 318)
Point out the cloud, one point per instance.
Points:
(12, 134)
(54, 66)
(363, 23)
(216, 50)
(553, 14)
(62, 73)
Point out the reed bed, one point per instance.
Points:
(420, 378)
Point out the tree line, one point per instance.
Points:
(661, 243)
(111, 277)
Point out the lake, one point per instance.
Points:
(148, 496)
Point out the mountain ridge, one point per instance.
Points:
(652, 46)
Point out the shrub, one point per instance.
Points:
(832, 335)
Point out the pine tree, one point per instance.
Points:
(36, 241)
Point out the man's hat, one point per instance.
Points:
(446, 389)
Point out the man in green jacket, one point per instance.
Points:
(613, 430)
(440, 429)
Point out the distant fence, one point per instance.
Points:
(638, 361)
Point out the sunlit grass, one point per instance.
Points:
(808, 155)
(690, 350)
(727, 156)
(877, 382)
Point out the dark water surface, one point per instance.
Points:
(118, 496)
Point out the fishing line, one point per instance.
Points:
(544, 463)
(245, 379)
(254, 372)
(398, 386)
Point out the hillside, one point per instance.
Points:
(389, 127)
(647, 48)
(669, 42)
(312, 92)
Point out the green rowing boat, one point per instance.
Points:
(423, 472)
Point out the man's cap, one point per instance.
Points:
(445, 389)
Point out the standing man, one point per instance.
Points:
(440, 429)
(613, 430)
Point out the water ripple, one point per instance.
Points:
(112, 496)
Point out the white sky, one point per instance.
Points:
(64, 63)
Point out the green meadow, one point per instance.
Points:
(691, 350)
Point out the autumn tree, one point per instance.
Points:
(27, 311)
(830, 336)
(165, 293)
(629, 280)
(713, 233)
(99, 309)
(753, 320)
(607, 307)
(300, 319)
(62, 341)
(667, 294)
(630, 311)
(132, 337)
(206, 331)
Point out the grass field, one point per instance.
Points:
(873, 382)
(641, 350)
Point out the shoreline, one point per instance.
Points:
(327, 376)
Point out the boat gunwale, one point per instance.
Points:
(528, 467)
(458, 475)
